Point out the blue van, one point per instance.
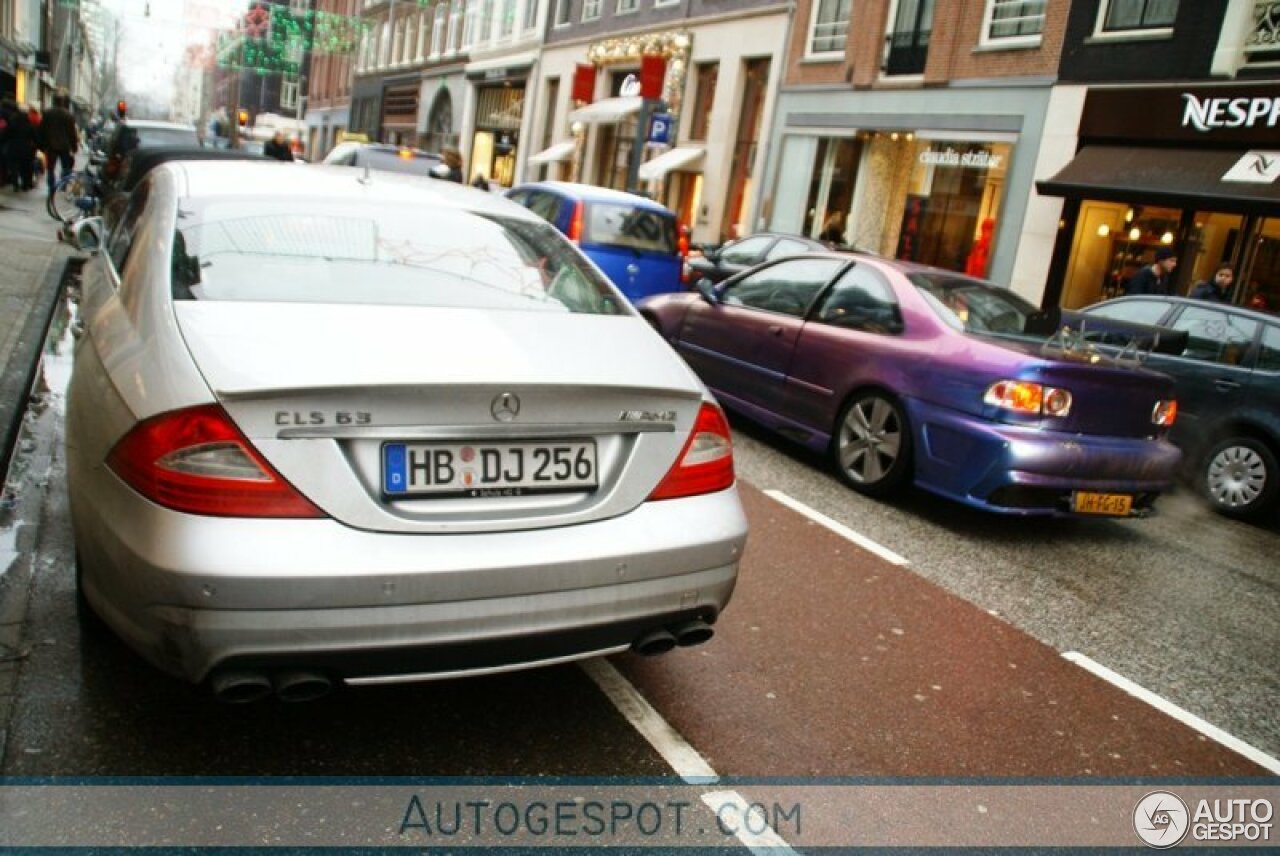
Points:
(634, 240)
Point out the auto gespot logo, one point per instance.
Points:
(1162, 820)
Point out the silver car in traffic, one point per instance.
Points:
(332, 427)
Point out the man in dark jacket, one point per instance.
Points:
(1154, 278)
(19, 146)
(59, 139)
(277, 147)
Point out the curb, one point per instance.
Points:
(20, 372)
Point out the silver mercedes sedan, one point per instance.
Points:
(330, 427)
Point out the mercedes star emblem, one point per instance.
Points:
(505, 408)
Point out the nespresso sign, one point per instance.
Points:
(1226, 114)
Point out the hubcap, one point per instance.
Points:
(1237, 476)
(870, 440)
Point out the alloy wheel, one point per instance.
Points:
(872, 444)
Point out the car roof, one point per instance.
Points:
(158, 125)
(1177, 300)
(592, 193)
(267, 178)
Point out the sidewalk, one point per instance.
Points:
(32, 261)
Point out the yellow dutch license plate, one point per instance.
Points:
(1114, 504)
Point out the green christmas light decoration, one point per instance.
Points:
(275, 39)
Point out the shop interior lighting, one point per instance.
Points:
(1135, 233)
(1104, 230)
(1166, 238)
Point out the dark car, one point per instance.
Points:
(904, 373)
(632, 239)
(385, 157)
(718, 263)
(1228, 387)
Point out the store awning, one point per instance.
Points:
(1177, 178)
(557, 153)
(670, 161)
(607, 111)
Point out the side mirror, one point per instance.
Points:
(86, 235)
(708, 291)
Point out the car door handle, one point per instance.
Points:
(1226, 385)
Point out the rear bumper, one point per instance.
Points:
(196, 594)
(1018, 470)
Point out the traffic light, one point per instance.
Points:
(243, 118)
(122, 108)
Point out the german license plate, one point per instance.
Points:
(488, 469)
(1115, 504)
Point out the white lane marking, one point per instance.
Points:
(1235, 744)
(676, 751)
(839, 528)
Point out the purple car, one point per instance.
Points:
(904, 373)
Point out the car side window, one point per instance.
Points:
(520, 197)
(1137, 311)
(744, 252)
(1269, 353)
(861, 300)
(545, 205)
(121, 240)
(1215, 336)
(787, 287)
(786, 247)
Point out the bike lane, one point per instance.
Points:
(832, 661)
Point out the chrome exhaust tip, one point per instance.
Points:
(300, 685)
(240, 687)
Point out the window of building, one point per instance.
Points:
(665, 2)
(455, 26)
(908, 38)
(1013, 22)
(1123, 16)
(438, 30)
(530, 15)
(470, 25)
(829, 27)
(1262, 44)
(507, 19)
(289, 92)
(562, 13)
(704, 99)
(627, 6)
(590, 10)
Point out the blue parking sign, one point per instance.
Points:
(660, 128)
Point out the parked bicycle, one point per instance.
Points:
(77, 195)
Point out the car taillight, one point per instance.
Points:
(1164, 413)
(575, 222)
(197, 461)
(705, 464)
(1022, 396)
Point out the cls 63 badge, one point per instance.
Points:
(319, 417)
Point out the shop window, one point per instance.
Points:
(829, 27)
(1126, 16)
(1013, 22)
(1262, 45)
(704, 99)
(952, 204)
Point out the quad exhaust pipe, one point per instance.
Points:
(292, 685)
(692, 632)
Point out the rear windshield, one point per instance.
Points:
(393, 162)
(617, 224)
(974, 306)
(149, 137)
(360, 253)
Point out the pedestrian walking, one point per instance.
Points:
(453, 163)
(1154, 278)
(59, 139)
(277, 147)
(1217, 290)
(18, 143)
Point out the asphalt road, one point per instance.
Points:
(830, 661)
